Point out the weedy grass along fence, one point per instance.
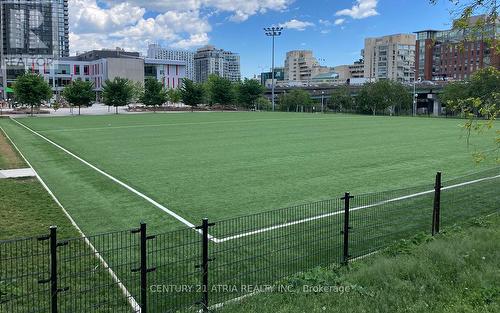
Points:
(201, 268)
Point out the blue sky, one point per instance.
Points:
(333, 29)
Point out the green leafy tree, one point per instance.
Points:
(452, 92)
(220, 90)
(249, 91)
(480, 106)
(479, 102)
(341, 99)
(154, 94)
(174, 95)
(191, 93)
(31, 90)
(264, 104)
(295, 100)
(482, 29)
(383, 95)
(79, 93)
(118, 92)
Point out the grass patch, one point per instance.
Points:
(458, 271)
(9, 158)
(26, 209)
(214, 164)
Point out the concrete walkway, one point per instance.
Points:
(17, 173)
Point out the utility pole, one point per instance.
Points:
(273, 32)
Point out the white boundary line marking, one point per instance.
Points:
(353, 209)
(216, 240)
(135, 306)
(312, 118)
(119, 182)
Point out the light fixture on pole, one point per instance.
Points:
(273, 32)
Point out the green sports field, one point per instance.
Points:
(222, 165)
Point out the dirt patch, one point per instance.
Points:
(9, 158)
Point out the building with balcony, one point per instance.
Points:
(209, 60)
(390, 57)
(299, 66)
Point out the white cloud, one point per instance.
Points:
(177, 23)
(325, 22)
(339, 21)
(296, 24)
(241, 10)
(362, 9)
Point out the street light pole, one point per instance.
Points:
(414, 98)
(322, 101)
(273, 32)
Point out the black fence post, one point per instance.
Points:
(143, 269)
(53, 269)
(204, 263)
(347, 197)
(437, 205)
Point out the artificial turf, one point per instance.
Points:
(221, 165)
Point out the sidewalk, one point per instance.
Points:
(17, 173)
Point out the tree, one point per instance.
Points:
(478, 101)
(383, 95)
(249, 91)
(294, 100)
(174, 95)
(220, 90)
(118, 92)
(154, 94)
(452, 92)
(263, 103)
(79, 93)
(341, 99)
(481, 106)
(483, 29)
(31, 89)
(191, 93)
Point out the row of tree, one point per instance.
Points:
(30, 89)
(373, 98)
(222, 92)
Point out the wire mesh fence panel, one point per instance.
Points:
(257, 251)
(100, 279)
(127, 271)
(174, 285)
(379, 219)
(24, 264)
(470, 197)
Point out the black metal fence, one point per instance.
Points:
(201, 268)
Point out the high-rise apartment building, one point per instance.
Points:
(209, 60)
(390, 57)
(31, 33)
(299, 66)
(155, 51)
(455, 54)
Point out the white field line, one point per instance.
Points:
(133, 303)
(351, 210)
(181, 124)
(216, 240)
(129, 188)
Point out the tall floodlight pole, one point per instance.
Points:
(273, 32)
